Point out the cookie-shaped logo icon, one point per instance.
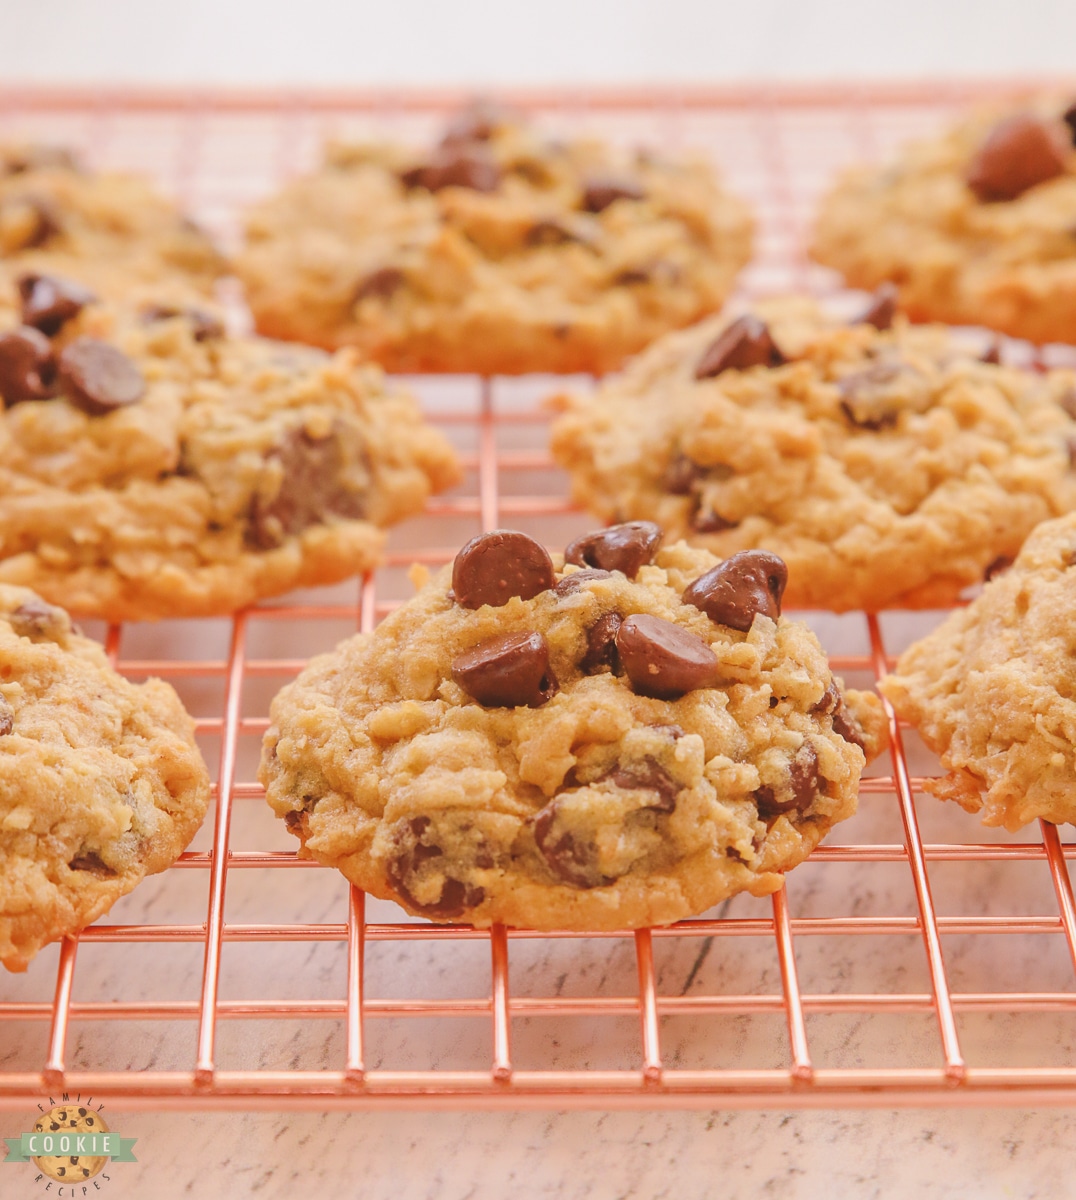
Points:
(63, 1123)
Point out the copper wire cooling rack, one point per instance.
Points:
(915, 959)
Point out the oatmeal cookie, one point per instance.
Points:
(496, 251)
(618, 737)
(993, 689)
(151, 465)
(887, 466)
(974, 227)
(101, 782)
(56, 217)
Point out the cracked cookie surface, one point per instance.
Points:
(101, 782)
(993, 690)
(497, 251)
(887, 467)
(152, 465)
(601, 754)
(974, 226)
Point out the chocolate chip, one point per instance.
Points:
(28, 222)
(507, 671)
(91, 862)
(478, 122)
(662, 660)
(551, 232)
(468, 165)
(846, 726)
(882, 308)
(601, 646)
(745, 343)
(998, 567)
(38, 621)
(577, 580)
(681, 476)
(98, 378)
(625, 547)
(600, 191)
(204, 325)
(312, 488)
(1069, 117)
(801, 790)
(493, 567)
(831, 699)
(874, 398)
(27, 370)
(7, 718)
(381, 284)
(992, 354)
(711, 522)
(750, 582)
(48, 303)
(650, 775)
(570, 859)
(416, 855)
(1018, 153)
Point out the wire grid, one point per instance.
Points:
(900, 967)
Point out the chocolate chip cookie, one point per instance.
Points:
(888, 465)
(617, 737)
(993, 689)
(151, 465)
(57, 217)
(101, 782)
(70, 1119)
(975, 227)
(495, 251)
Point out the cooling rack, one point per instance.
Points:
(915, 959)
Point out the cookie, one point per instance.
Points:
(59, 218)
(619, 737)
(992, 691)
(101, 782)
(886, 466)
(496, 251)
(973, 227)
(151, 465)
(70, 1119)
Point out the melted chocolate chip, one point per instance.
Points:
(1018, 153)
(29, 221)
(92, 863)
(998, 567)
(601, 646)
(27, 370)
(573, 861)
(312, 489)
(507, 671)
(882, 308)
(662, 659)
(745, 343)
(382, 284)
(733, 592)
(992, 354)
(623, 548)
(48, 302)
(846, 726)
(601, 191)
(874, 398)
(803, 786)
(415, 852)
(98, 378)
(681, 476)
(493, 567)
(650, 775)
(204, 325)
(577, 580)
(466, 165)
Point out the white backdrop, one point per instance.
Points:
(526, 41)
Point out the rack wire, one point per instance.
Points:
(915, 959)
